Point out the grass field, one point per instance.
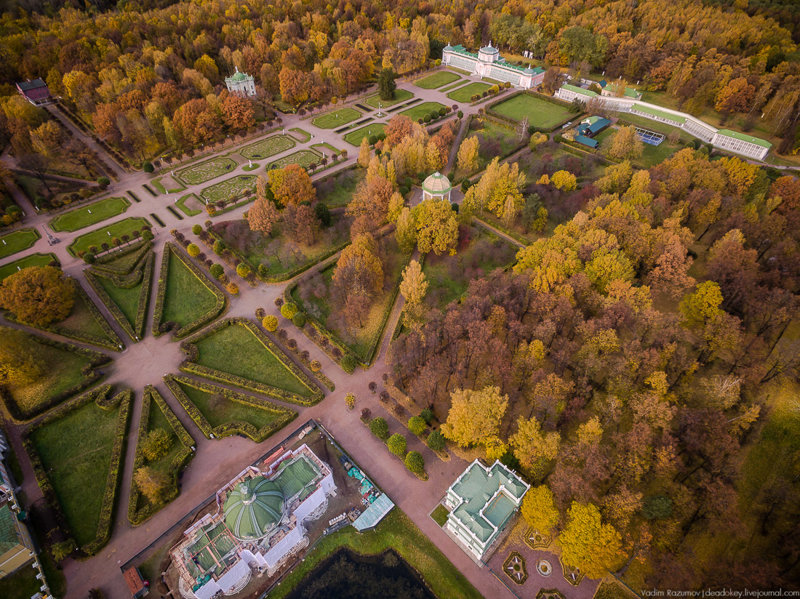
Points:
(396, 532)
(22, 584)
(439, 514)
(436, 80)
(63, 372)
(336, 118)
(127, 298)
(302, 136)
(29, 260)
(82, 322)
(189, 204)
(187, 298)
(540, 113)
(400, 95)
(206, 170)
(236, 350)
(89, 215)
(11, 243)
(302, 157)
(354, 137)
(229, 187)
(105, 234)
(338, 190)
(464, 94)
(76, 452)
(325, 148)
(267, 147)
(421, 110)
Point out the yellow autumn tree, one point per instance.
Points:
(467, 156)
(475, 415)
(564, 180)
(436, 227)
(589, 544)
(531, 445)
(539, 509)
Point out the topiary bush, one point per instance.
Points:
(379, 428)
(288, 310)
(192, 250)
(270, 323)
(315, 366)
(243, 270)
(216, 270)
(156, 444)
(350, 401)
(397, 444)
(436, 441)
(415, 462)
(417, 425)
(299, 320)
(197, 229)
(232, 288)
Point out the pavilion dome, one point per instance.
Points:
(253, 507)
(489, 50)
(436, 184)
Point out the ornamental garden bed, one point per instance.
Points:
(336, 118)
(237, 352)
(304, 158)
(281, 257)
(373, 129)
(420, 111)
(89, 215)
(465, 94)
(29, 260)
(267, 147)
(190, 205)
(167, 184)
(157, 415)
(437, 80)
(66, 369)
(76, 454)
(540, 113)
(201, 172)
(229, 188)
(17, 241)
(219, 412)
(400, 95)
(314, 295)
(107, 234)
(186, 297)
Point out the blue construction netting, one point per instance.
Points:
(650, 137)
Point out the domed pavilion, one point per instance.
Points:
(437, 187)
(253, 507)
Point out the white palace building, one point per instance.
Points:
(488, 63)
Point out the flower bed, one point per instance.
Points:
(228, 188)
(206, 170)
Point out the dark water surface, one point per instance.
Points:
(347, 575)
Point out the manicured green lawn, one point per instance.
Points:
(22, 584)
(396, 532)
(303, 136)
(17, 241)
(503, 137)
(189, 205)
(187, 298)
(267, 147)
(302, 157)
(62, 372)
(437, 80)
(439, 514)
(83, 322)
(236, 350)
(89, 215)
(105, 234)
(76, 452)
(400, 95)
(29, 260)
(336, 118)
(206, 170)
(354, 137)
(540, 113)
(421, 110)
(167, 184)
(229, 187)
(127, 298)
(323, 147)
(464, 94)
(338, 190)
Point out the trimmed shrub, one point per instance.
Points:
(349, 362)
(147, 166)
(243, 270)
(427, 415)
(232, 288)
(417, 425)
(436, 441)
(103, 182)
(415, 462)
(350, 401)
(270, 323)
(216, 270)
(299, 320)
(156, 444)
(397, 444)
(197, 229)
(379, 428)
(288, 310)
(315, 366)
(193, 250)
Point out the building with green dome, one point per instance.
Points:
(241, 84)
(436, 187)
(253, 508)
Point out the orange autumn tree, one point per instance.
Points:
(291, 185)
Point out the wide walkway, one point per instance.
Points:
(215, 461)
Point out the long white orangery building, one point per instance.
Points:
(488, 63)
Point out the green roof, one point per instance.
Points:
(482, 510)
(748, 138)
(659, 113)
(436, 184)
(253, 507)
(579, 90)
(295, 476)
(8, 529)
(238, 76)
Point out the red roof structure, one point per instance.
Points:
(36, 91)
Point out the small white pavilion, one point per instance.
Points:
(436, 186)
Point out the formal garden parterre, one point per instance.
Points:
(94, 213)
(237, 186)
(19, 240)
(206, 170)
(267, 147)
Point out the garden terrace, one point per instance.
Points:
(185, 296)
(304, 158)
(201, 172)
(315, 296)
(420, 111)
(400, 95)
(190, 205)
(336, 118)
(156, 414)
(479, 253)
(107, 234)
(29, 260)
(220, 412)
(465, 94)
(338, 189)
(354, 137)
(236, 352)
(437, 80)
(89, 215)
(281, 257)
(76, 452)
(229, 188)
(167, 184)
(68, 370)
(267, 147)
(541, 113)
(11, 243)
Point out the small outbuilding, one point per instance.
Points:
(36, 92)
(436, 186)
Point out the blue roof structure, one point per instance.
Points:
(586, 141)
(595, 127)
